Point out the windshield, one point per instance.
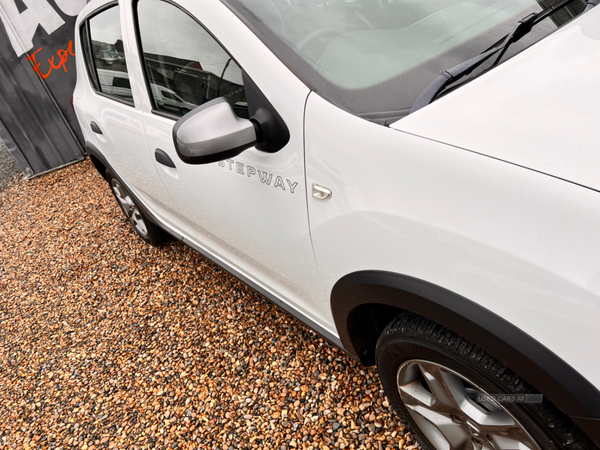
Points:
(374, 57)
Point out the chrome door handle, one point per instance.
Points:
(95, 128)
(321, 192)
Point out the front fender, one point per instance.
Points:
(361, 303)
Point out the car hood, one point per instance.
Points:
(540, 109)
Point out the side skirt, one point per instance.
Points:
(92, 150)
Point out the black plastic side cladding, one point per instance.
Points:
(272, 132)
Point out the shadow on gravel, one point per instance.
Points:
(107, 342)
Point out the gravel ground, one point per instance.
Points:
(107, 342)
(8, 167)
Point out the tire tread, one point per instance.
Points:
(555, 423)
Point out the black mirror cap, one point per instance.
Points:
(271, 131)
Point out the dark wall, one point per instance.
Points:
(37, 119)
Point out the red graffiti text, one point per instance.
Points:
(63, 56)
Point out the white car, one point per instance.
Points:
(114, 82)
(417, 181)
(169, 99)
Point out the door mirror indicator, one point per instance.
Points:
(212, 132)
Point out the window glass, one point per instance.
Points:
(375, 57)
(87, 54)
(185, 65)
(107, 55)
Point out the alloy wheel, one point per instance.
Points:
(129, 207)
(453, 413)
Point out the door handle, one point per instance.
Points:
(95, 128)
(164, 159)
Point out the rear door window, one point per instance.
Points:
(102, 44)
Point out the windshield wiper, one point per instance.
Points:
(449, 76)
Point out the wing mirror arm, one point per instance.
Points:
(273, 132)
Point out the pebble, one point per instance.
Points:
(9, 169)
(108, 342)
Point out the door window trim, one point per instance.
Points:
(166, 114)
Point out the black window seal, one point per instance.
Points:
(115, 98)
(138, 37)
(84, 36)
(93, 79)
(166, 114)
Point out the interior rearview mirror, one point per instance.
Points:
(212, 132)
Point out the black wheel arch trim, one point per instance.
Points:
(543, 369)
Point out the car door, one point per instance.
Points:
(109, 107)
(249, 211)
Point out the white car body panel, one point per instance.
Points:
(538, 110)
(121, 126)
(471, 224)
(457, 194)
(203, 202)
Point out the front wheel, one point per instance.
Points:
(453, 395)
(145, 229)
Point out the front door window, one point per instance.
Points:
(185, 66)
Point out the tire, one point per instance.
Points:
(429, 371)
(145, 229)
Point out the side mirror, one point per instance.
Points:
(212, 132)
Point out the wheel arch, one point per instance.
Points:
(100, 167)
(363, 303)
